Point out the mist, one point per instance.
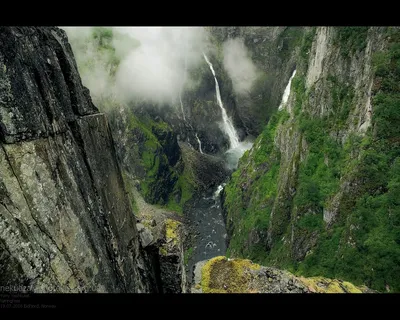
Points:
(152, 65)
(92, 63)
(239, 65)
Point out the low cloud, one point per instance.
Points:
(239, 65)
(152, 65)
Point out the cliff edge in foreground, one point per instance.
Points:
(66, 224)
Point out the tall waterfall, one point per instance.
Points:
(183, 82)
(227, 123)
(286, 93)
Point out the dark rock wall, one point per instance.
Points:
(66, 224)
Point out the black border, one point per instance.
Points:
(200, 13)
(123, 301)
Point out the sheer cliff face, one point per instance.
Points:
(316, 192)
(66, 224)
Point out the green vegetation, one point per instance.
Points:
(319, 174)
(183, 187)
(152, 166)
(100, 50)
(364, 247)
(160, 182)
(103, 36)
(172, 230)
(324, 285)
(342, 95)
(290, 39)
(187, 255)
(358, 177)
(220, 275)
(257, 176)
(306, 45)
(260, 93)
(298, 86)
(351, 39)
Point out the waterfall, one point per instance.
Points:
(180, 99)
(218, 191)
(183, 82)
(198, 140)
(227, 124)
(286, 93)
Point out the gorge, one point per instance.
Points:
(200, 160)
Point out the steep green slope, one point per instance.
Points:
(318, 193)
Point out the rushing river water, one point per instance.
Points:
(205, 217)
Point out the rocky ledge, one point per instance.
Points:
(223, 275)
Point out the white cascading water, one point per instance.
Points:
(180, 99)
(183, 82)
(198, 140)
(218, 191)
(227, 124)
(286, 93)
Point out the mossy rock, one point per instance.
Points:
(222, 275)
(325, 285)
(172, 237)
(172, 230)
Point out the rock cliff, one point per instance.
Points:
(315, 193)
(66, 223)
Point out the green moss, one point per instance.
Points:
(324, 285)
(151, 162)
(153, 136)
(351, 288)
(220, 275)
(187, 255)
(172, 230)
(163, 251)
(185, 187)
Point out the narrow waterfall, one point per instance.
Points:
(198, 140)
(286, 93)
(227, 123)
(180, 99)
